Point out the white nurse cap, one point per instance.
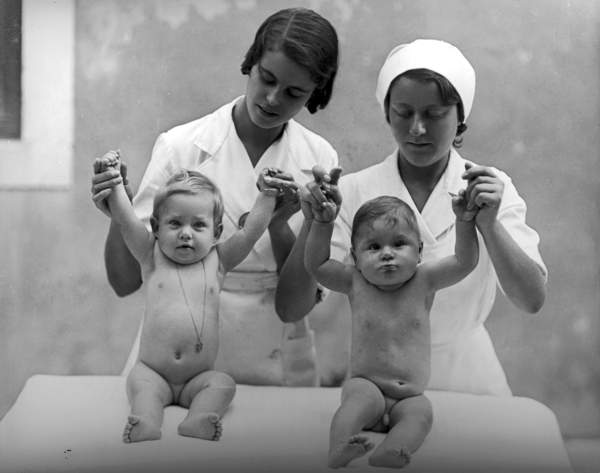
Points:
(435, 55)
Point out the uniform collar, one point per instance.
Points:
(210, 138)
(437, 218)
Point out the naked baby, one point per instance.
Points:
(183, 265)
(390, 293)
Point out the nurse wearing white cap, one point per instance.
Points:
(426, 90)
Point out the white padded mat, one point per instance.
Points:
(74, 424)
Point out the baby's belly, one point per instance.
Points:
(173, 350)
(398, 372)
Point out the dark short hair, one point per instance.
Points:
(447, 91)
(392, 208)
(306, 38)
(189, 182)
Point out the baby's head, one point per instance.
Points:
(187, 216)
(386, 241)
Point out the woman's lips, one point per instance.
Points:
(266, 111)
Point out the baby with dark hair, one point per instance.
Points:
(390, 293)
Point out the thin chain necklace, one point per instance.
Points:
(199, 344)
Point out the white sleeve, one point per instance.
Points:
(512, 215)
(158, 171)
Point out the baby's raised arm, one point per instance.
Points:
(324, 206)
(137, 237)
(233, 250)
(451, 269)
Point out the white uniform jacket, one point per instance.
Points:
(463, 357)
(251, 332)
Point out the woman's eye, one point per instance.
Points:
(296, 94)
(436, 113)
(402, 113)
(267, 79)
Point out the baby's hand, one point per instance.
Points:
(111, 160)
(274, 182)
(321, 199)
(460, 205)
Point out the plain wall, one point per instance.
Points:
(145, 66)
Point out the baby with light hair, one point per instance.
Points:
(183, 265)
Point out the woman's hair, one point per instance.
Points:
(306, 38)
(191, 183)
(392, 208)
(447, 91)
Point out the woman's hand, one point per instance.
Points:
(484, 193)
(274, 182)
(321, 199)
(106, 176)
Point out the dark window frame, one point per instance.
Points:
(10, 68)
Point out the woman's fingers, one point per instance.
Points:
(105, 180)
(334, 176)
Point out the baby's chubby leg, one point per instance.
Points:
(410, 421)
(362, 406)
(207, 396)
(148, 394)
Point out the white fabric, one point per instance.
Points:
(74, 424)
(251, 332)
(463, 358)
(435, 55)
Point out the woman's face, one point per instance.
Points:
(277, 89)
(423, 127)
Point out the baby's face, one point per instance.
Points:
(387, 253)
(186, 231)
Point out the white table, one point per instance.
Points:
(74, 424)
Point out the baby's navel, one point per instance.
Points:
(177, 355)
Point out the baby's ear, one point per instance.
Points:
(218, 231)
(154, 225)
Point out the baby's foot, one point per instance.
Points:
(391, 458)
(138, 429)
(203, 426)
(344, 453)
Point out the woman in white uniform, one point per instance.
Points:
(291, 64)
(426, 90)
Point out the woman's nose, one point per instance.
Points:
(273, 96)
(417, 126)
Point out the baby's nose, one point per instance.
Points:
(185, 233)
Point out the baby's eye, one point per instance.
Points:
(374, 246)
(199, 226)
(399, 243)
(174, 223)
